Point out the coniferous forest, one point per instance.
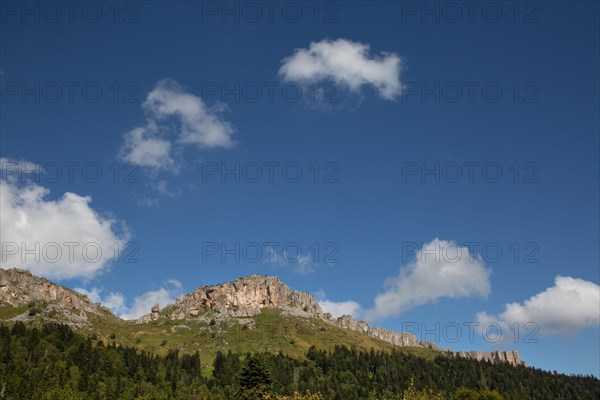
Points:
(52, 362)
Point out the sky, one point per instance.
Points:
(429, 167)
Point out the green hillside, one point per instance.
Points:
(268, 332)
(53, 362)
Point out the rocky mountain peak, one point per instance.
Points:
(244, 297)
(20, 288)
(247, 296)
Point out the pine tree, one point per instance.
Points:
(255, 380)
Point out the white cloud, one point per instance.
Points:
(147, 201)
(141, 304)
(164, 188)
(346, 63)
(62, 238)
(157, 143)
(565, 308)
(337, 309)
(441, 269)
(303, 264)
(144, 147)
(93, 294)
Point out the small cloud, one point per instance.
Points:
(141, 305)
(175, 119)
(303, 264)
(338, 309)
(163, 188)
(93, 294)
(175, 283)
(147, 201)
(348, 64)
(566, 308)
(145, 148)
(441, 269)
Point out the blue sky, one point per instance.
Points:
(413, 127)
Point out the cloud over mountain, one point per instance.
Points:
(61, 238)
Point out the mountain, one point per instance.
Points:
(24, 296)
(252, 313)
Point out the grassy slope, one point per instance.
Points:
(272, 333)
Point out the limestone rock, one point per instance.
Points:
(395, 338)
(501, 356)
(20, 288)
(244, 297)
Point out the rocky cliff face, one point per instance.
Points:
(395, 338)
(244, 297)
(501, 356)
(20, 288)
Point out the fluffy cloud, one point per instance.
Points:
(144, 147)
(62, 238)
(337, 309)
(441, 269)
(565, 308)
(346, 63)
(175, 119)
(141, 304)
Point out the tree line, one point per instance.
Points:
(52, 362)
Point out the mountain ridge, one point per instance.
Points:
(243, 298)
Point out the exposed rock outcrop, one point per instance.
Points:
(395, 338)
(20, 288)
(500, 356)
(46, 301)
(244, 297)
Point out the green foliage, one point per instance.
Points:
(413, 394)
(465, 394)
(471, 394)
(255, 380)
(51, 362)
(63, 393)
